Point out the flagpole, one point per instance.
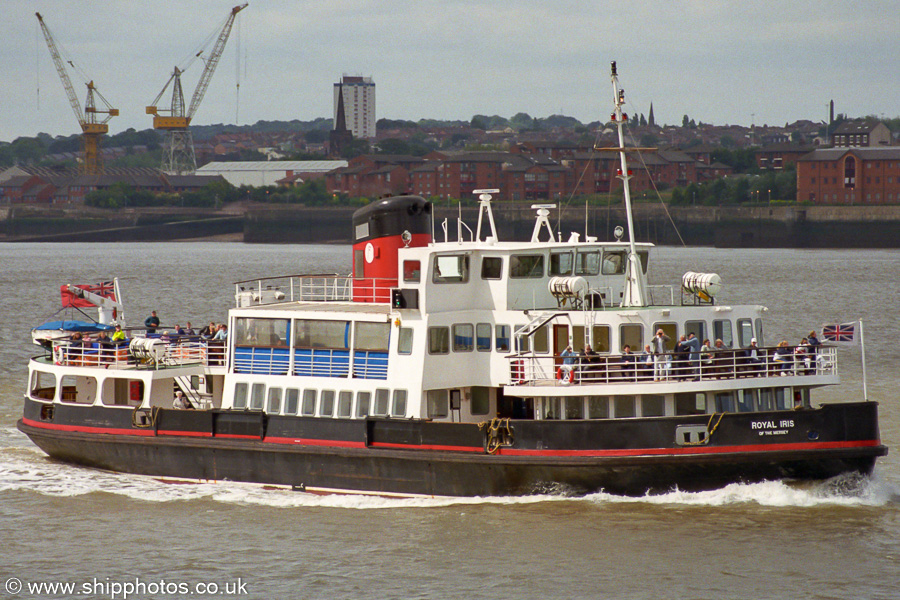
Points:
(862, 343)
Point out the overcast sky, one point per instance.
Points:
(720, 62)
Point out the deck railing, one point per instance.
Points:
(313, 288)
(528, 369)
(154, 352)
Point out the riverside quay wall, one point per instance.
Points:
(793, 226)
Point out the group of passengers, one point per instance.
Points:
(209, 332)
(689, 360)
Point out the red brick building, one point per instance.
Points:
(849, 176)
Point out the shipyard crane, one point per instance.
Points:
(178, 151)
(92, 128)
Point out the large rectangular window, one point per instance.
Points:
(524, 266)
(257, 393)
(451, 269)
(463, 337)
(373, 337)
(438, 340)
(309, 333)
(690, 404)
(746, 401)
(613, 262)
(362, 404)
(653, 405)
(574, 407)
(412, 271)
(240, 395)
(541, 339)
(698, 328)
(260, 332)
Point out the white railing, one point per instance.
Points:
(528, 369)
(164, 352)
(313, 288)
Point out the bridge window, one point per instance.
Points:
(491, 267)
(526, 266)
(405, 340)
(745, 332)
(613, 263)
(587, 263)
(483, 337)
(451, 269)
(438, 340)
(463, 337)
(561, 263)
(501, 335)
(412, 271)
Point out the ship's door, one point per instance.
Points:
(560, 341)
(455, 405)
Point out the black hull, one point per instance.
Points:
(407, 457)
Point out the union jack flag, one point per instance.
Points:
(107, 289)
(844, 333)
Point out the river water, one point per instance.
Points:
(103, 532)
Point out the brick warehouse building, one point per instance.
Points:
(849, 176)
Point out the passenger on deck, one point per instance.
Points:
(222, 333)
(782, 358)
(705, 356)
(645, 363)
(693, 344)
(628, 363)
(754, 357)
(181, 402)
(118, 335)
(178, 330)
(208, 332)
(680, 365)
(189, 330)
(152, 322)
(801, 357)
(660, 358)
(566, 371)
(590, 362)
(812, 350)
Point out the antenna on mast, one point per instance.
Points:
(635, 285)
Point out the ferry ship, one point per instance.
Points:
(462, 366)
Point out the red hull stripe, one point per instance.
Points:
(695, 450)
(503, 451)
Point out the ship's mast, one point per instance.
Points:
(635, 285)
